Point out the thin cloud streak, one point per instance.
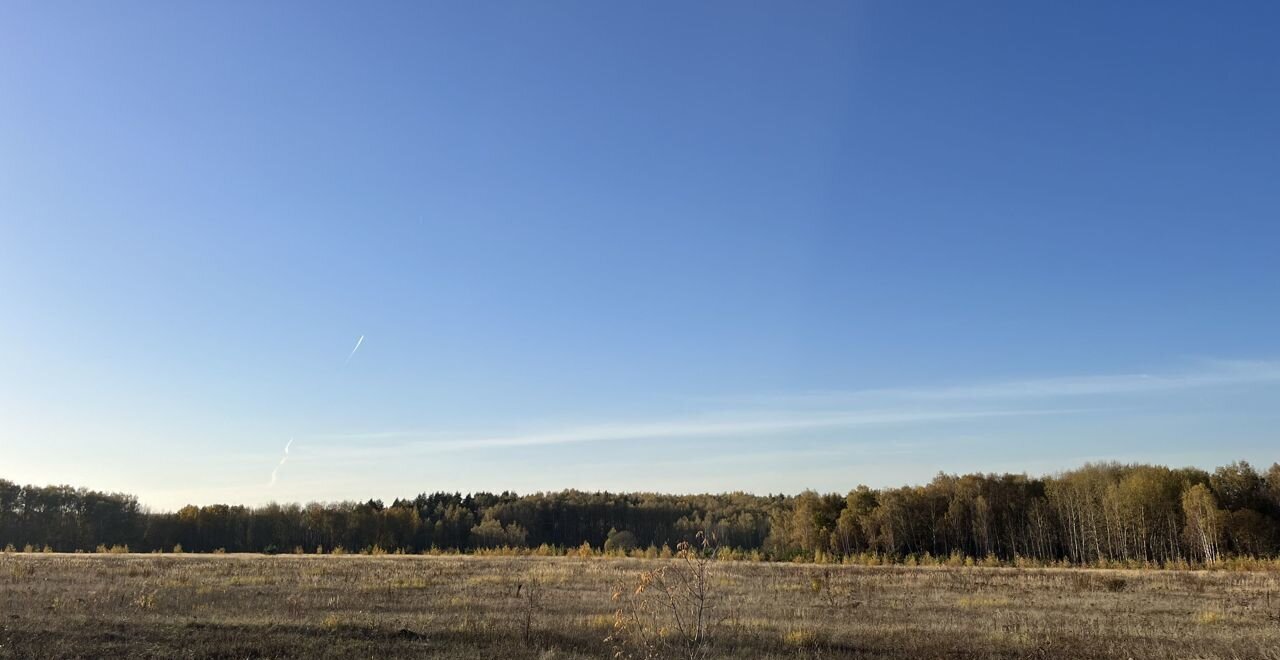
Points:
(684, 429)
(353, 351)
(1228, 374)
(1214, 373)
(733, 427)
(284, 458)
(836, 410)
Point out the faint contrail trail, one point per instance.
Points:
(353, 351)
(282, 460)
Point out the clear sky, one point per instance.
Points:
(632, 246)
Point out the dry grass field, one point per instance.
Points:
(230, 606)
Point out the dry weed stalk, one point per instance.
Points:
(530, 594)
(670, 610)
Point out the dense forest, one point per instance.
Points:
(1098, 513)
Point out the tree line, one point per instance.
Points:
(1098, 513)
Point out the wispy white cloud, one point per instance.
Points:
(276, 471)
(1218, 374)
(831, 410)
(1207, 374)
(743, 424)
(353, 351)
(751, 425)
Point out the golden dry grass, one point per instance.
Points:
(237, 606)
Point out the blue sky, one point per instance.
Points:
(659, 246)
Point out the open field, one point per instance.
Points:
(233, 606)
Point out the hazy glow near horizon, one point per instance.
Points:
(686, 248)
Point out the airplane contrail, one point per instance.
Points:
(282, 460)
(353, 351)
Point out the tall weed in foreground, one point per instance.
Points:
(670, 611)
(530, 594)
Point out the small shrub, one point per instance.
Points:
(620, 541)
(1209, 618)
(530, 594)
(145, 600)
(804, 638)
(983, 601)
(1115, 584)
(672, 611)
